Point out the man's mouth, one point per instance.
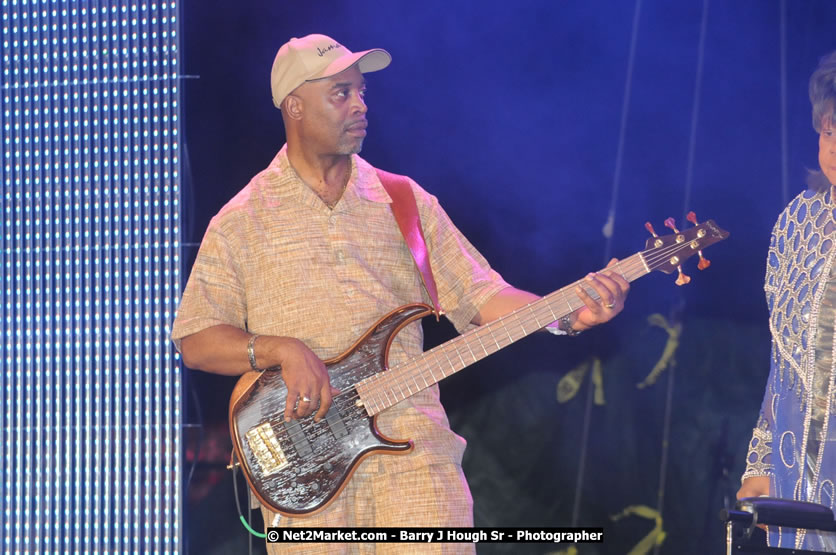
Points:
(358, 129)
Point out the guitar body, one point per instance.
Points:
(298, 468)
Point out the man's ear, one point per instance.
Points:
(292, 107)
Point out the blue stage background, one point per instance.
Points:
(513, 114)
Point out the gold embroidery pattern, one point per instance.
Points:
(798, 252)
(760, 449)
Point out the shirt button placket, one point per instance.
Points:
(338, 251)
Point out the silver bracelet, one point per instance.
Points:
(565, 324)
(251, 352)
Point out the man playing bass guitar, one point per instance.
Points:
(304, 259)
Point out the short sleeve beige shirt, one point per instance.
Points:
(277, 261)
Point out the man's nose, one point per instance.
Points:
(359, 104)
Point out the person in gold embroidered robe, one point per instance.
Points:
(792, 453)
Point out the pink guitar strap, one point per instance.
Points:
(405, 210)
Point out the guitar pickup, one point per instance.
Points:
(297, 437)
(266, 449)
(335, 422)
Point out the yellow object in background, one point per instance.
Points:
(667, 359)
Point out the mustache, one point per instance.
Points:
(357, 124)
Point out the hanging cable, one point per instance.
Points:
(609, 226)
(241, 516)
(666, 431)
(695, 114)
(785, 179)
(689, 181)
(587, 418)
(608, 233)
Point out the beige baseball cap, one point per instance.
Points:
(317, 57)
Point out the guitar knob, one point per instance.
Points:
(682, 279)
(704, 262)
(692, 217)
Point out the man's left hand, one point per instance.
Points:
(612, 290)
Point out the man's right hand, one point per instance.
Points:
(222, 349)
(308, 384)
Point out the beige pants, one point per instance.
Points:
(431, 496)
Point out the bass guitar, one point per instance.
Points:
(297, 468)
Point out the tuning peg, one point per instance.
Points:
(681, 279)
(649, 227)
(704, 262)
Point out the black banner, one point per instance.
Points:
(436, 535)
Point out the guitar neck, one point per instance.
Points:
(388, 388)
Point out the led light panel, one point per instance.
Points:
(90, 257)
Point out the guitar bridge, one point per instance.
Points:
(266, 449)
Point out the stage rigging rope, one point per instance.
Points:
(689, 182)
(785, 185)
(608, 233)
(695, 114)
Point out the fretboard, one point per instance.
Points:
(394, 385)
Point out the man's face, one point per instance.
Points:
(827, 148)
(334, 117)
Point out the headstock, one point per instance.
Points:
(667, 253)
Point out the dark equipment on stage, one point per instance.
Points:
(749, 512)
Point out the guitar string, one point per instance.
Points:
(306, 424)
(384, 379)
(425, 363)
(425, 367)
(407, 380)
(422, 366)
(401, 380)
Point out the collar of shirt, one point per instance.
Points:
(282, 183)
